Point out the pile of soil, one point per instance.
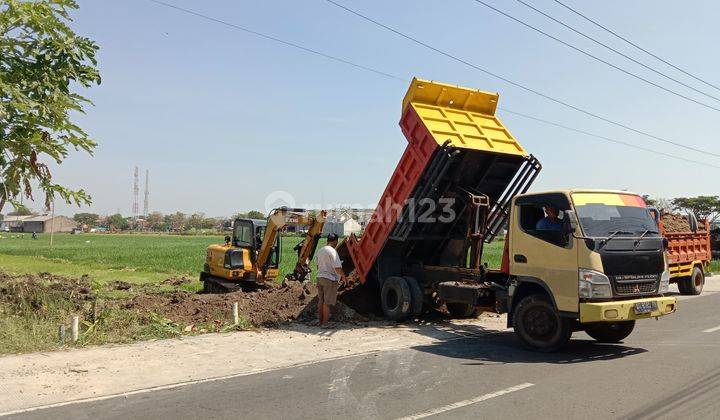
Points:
(38, 290)
(675, 223)
(265, 306)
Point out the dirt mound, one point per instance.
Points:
(675, 223)
(267, 306)
(40, 290)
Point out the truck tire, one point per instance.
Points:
(416, 297)
(461, 310)
(694, 284)
(395, 298)
(539, 326)
(610, 332)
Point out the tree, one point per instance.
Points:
(704, 206)
(42, 64)
(176, 222)
(156, 221)
(117, 222)
(658, 203)
(254, 214)
(90, 219)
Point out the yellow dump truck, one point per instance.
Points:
(573, 259)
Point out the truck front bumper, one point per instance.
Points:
(624, 310)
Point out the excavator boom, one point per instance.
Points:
(279, 219)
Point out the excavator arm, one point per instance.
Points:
(306, 249)
(279, 219)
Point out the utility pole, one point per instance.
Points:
(146, 203)
(135, 203)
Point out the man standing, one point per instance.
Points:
(329, 275)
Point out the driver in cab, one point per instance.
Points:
(551, 221)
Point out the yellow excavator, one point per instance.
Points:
(251, 256)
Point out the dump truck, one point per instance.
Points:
(689, 250)
(463, 180)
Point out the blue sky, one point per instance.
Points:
(222, 118)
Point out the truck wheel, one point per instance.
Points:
(610, 332)
(395, 298)
(694, 284)
(539, 326)
(416, 297)
(461, 310)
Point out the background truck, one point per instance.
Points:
(461, 179)
(689, 250)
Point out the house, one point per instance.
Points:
(39, 224)
(13, 223)
(341, 223)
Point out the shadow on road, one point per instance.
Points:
(484, 347)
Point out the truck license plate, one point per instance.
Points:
(645, 307)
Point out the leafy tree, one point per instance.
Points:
(42, 64)
(117, 222)
(90, 219)
(176, 222)
(704, 207)
(254, 214)
(156, 221)
(659, 203)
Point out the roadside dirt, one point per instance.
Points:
(675, 223)
(265, 306)
(40, 290)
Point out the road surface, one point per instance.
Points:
(666, 368)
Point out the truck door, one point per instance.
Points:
(542, 250)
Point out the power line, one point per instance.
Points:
(269, 37)
(596, 58)
(405, 80)
(598, 136)
(640, 63)
(519, 85)
(610, 31)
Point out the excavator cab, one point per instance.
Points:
(249, 234)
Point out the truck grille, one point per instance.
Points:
(635, 284)
(636, 288)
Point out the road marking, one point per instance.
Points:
(232, 376)
(467, 402)
(712, 329)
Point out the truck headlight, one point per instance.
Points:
(664, 282)
(593, 284)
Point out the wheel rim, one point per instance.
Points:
(698, 280)
(540, 323)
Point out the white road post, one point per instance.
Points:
(236, 314)
(75, 328)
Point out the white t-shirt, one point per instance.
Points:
(327, 261)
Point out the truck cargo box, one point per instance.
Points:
(456, 147)
(686, 247)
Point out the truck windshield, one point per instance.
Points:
(600, 219)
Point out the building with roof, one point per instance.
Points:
(38, 224)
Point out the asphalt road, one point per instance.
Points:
(665, 369)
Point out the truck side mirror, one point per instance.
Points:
(572, 221)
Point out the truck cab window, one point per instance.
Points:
(546, 222)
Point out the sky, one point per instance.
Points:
(223, 119)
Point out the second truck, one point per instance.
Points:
(461, 181)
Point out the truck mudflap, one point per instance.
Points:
(627, 309)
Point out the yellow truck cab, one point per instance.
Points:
(599, 267)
